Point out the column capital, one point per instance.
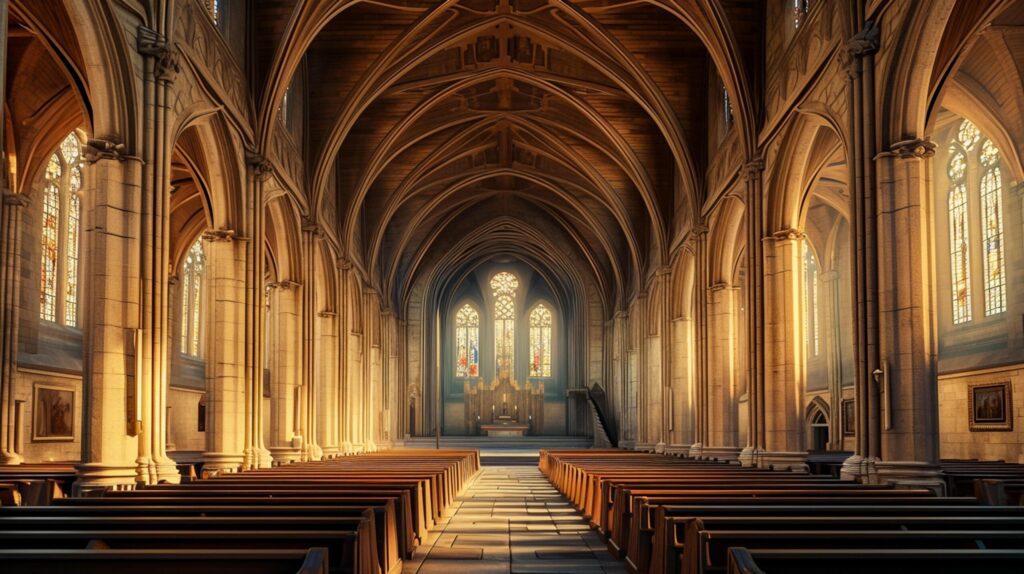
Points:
(719, 286)
(218, 235)
(327, 314)
(98, 149)
(786, 234)
(866, 42)
(16, 199)
(753, 169)
(155, 45)
(260, 165)
(828, 276)
(284, 285)
(910, 149)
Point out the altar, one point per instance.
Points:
(504, 408)
(504, 428)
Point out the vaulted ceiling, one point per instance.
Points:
(447, 132)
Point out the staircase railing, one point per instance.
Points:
(604, 429)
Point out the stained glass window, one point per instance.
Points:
(812, 332)
(191, 298)
(467, 342)
(994, 271)
(540, 341)
(959, 241)
(58, 276)
(968, 135)
(503, 287)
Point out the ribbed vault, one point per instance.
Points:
(579, 125)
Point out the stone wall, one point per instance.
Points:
(956, 440)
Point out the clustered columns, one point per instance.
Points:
(255, 454)
(225, 365)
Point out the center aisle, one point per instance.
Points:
(510, 519)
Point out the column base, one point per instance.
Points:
(96, 477)
(330, 452)
(659, 448)
(285, 454)
(749, 456)
(644, 446)
(628, 444)
(696, 450)
(677, 449)
(860, 469)
(222, 462)
(780, 460)
(264, 458)
(8, 458)
(911, 474)
(725, 453)
(167, 471)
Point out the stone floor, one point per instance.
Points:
(510, 519)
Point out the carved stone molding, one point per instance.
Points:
(155, 45)
(327, 314)
(753, 169)
(16, 199)
(866, 42)
(259, 164)
(96, 149)
(912, 149)
(786, 235)
(221, 235)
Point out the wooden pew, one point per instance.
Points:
(875, 561)
(221, 561)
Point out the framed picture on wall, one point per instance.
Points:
(990, 406)
(849, 421)
(53, 413)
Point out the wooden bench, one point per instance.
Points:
(309, 561)
(875, 561)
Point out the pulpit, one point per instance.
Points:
(504, 408)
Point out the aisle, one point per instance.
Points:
(510, 519)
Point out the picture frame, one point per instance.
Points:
(53, 413)
(849, 410)
(990, 406)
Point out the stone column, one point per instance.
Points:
(784, 354)
(369, 405)
(307, 426)
(701, 342)
(722, 410)
(112, 204)
(161, 67)
(906, 387)
(10, 312)
(664, 376)
(327, 378)
(753, 173)
(286, 366)
(681, 408)
(344, 303)
(258, 170)
(829, 281)
(225, 359)
(860, 51)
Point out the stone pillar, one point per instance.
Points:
(327, 379)
(369, 405)
(701, 342)
(681, 407)
(755, 326)
(784, 354)
(225, 359)
(906, 387)
(722, 410)
(258, 170)
(307, 426)
(344, 303)
(10, 310)
(285, 394)
(860, 52)
(112, 204)
(161, 67)
(829, 283)
(664, 375)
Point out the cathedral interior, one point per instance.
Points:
(512, 286)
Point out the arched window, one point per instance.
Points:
(812, 331)
(213, 7)
(58, 277)
(975, 195)
(992, 230)
(503, 288)
(726, 108)
(540, 341)
(467, 342)
(192, 299)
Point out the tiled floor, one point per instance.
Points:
(510, 519)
